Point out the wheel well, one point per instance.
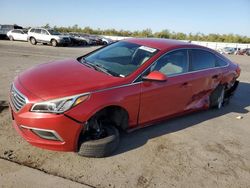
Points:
(52, 40)
(116, 114)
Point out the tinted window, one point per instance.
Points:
(37, 30)
(7, 27)
(200, 59)
(32, 30)
(121, 58)
(172, 63)
(53, 32)
(16, 31)
(220, 62)
(44, 32)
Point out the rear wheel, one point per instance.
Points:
(33, 41)
(217, 97)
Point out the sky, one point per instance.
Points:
(188, 16)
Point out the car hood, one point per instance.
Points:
(64, 78)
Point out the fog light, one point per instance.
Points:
(44, 133)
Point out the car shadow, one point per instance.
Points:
(238, 104)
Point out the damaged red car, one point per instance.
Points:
(81, 104)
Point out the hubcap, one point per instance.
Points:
(53, 43)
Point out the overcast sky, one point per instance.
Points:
(206, 16)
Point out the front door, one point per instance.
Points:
(163, 99)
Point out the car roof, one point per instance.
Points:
(161, 44)
(41, 28)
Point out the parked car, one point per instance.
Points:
(245, 51)
(4, 29)
(236, 50)
(97, 39)
(47, 36)
(227, 50)
(77, 39)
(80, 104)
(18, 34)
(106, 41)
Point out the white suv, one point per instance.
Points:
(47, 36)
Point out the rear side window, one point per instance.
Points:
(201, 59)
(16, 31)
(38, 31)
(220, 62)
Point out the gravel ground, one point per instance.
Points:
(203, 149)
(15, 175)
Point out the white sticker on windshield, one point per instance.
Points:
(152, 50)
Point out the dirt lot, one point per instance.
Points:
(204, 149)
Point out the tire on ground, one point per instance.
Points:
(214, 103)
(54, 43)
(33, 41)
(101, 147)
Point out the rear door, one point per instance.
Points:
(37, 34)
(162, 99)
(205, 76)
(18, 35)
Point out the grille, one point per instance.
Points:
(17, 99)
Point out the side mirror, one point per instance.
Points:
(155, 76)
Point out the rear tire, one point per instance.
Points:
(101, 147)
(33, 41)
(217, 97)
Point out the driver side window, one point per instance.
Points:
(172, 63)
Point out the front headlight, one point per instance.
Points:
(59, 105)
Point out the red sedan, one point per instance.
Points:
(80, 104)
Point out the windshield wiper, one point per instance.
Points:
(99, 67)
(104, 69)
(90, 65)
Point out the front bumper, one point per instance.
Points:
(65, 129)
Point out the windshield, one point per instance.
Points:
(53, 32)
(121, 58)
